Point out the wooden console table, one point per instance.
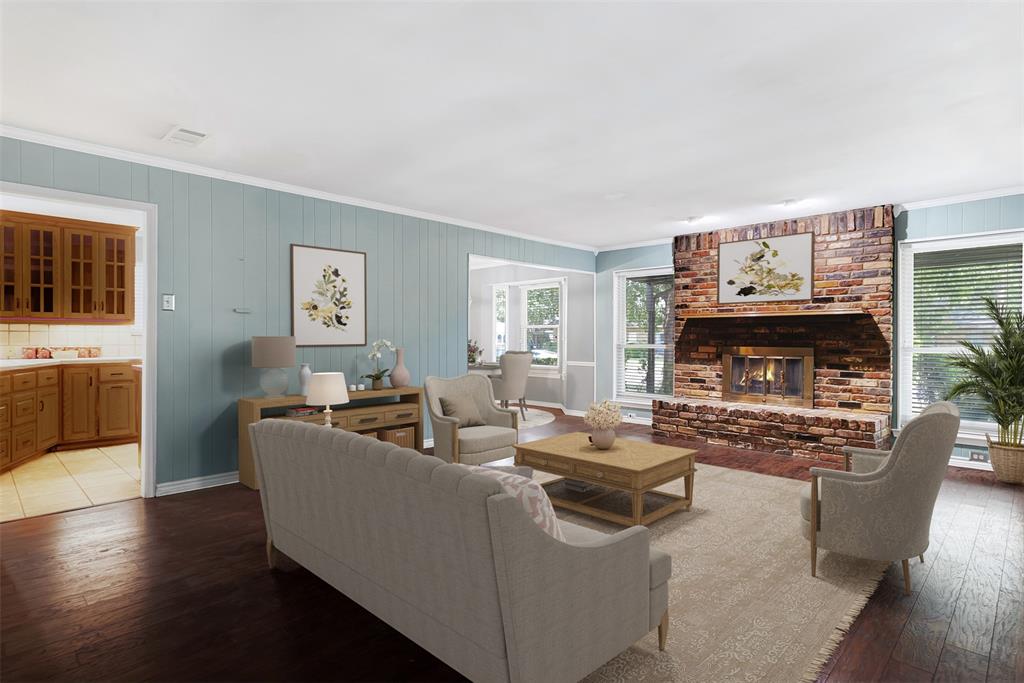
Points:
(379, 411)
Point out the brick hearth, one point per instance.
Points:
(785, 430)
(853, 260)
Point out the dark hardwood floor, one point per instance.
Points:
(177, 589)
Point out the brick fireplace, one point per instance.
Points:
(846, 327)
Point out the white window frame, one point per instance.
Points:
(524, 288)
(619, 338)
(971, 433)
(500, 287)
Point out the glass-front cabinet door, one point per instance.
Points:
(41, 271)
(10, 282)
(81, 274)
(118, 283)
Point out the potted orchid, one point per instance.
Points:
(603, 418)
(378, 375)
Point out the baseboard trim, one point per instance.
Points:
(633, 419)
(428, 443)
(195, 483)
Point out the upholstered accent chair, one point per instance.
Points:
(511, 386)
(882, 509)
(493, 440)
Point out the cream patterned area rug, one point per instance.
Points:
(535, 418)
(742, 603)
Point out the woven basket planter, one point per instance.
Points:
(1007, 462)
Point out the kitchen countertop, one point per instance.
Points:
(21, 363)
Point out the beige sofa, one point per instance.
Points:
(443, 555)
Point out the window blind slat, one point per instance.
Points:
(644, 356)
(948, 304)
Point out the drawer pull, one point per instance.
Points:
(40, 406)
(366, 420)
(409, 414)
(599, 475)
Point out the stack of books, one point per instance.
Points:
(305, 411)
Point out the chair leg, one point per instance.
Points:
(922, 558)
(522, 407)
(906, 576)
(814, 525)
(663, 631)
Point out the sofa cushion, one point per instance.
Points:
(530, 495)
(486, 438)
(661, 562)
(462, 407)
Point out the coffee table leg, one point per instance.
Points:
(638, 507)
(688, 484)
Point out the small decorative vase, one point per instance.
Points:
(472, 360)
(378, 384)
(304, 374)
(400, 374)
(602, 438)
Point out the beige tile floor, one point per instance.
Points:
(66, 480)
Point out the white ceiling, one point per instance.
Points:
(536, 117)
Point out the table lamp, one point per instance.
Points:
(273, 354)
(327, 389)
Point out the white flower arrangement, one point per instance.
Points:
(603, 415)
(375, 355)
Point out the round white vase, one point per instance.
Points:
(304, 374)
(602, 438)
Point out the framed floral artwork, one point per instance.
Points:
(328, 296)
(766, 269)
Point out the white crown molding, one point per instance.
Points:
(220, 174)
(195, 483)
(635, 245)
(958, 199)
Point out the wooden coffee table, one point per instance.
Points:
(633, 467)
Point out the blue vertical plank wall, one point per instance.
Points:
(223, 245)
(982, 215)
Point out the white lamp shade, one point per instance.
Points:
(273, 352)
(327, 389)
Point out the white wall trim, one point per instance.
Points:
(637, 420)
(149, 360)
(196, 169)
(195, 483)
(958, 199)
(637, 245)
(428, 443)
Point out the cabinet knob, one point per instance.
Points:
(40, 406)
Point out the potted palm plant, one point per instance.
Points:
(996, 375)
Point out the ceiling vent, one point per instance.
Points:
(185, 136)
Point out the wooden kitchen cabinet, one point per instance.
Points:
(79, 405)
(10, 270)
(117, 409)
(69, 405)
(81, 274)
(62, 269)
(48, 417)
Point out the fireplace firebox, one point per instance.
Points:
(768, 374)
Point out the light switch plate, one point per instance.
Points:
(168, 302)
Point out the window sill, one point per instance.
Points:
(546, 372)
(639, 401)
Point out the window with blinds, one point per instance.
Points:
(947, 306)
(644, 352)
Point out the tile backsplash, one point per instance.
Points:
(113, 340)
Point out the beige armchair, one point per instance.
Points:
(511, 386)
(470, 445)
(882, 510)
